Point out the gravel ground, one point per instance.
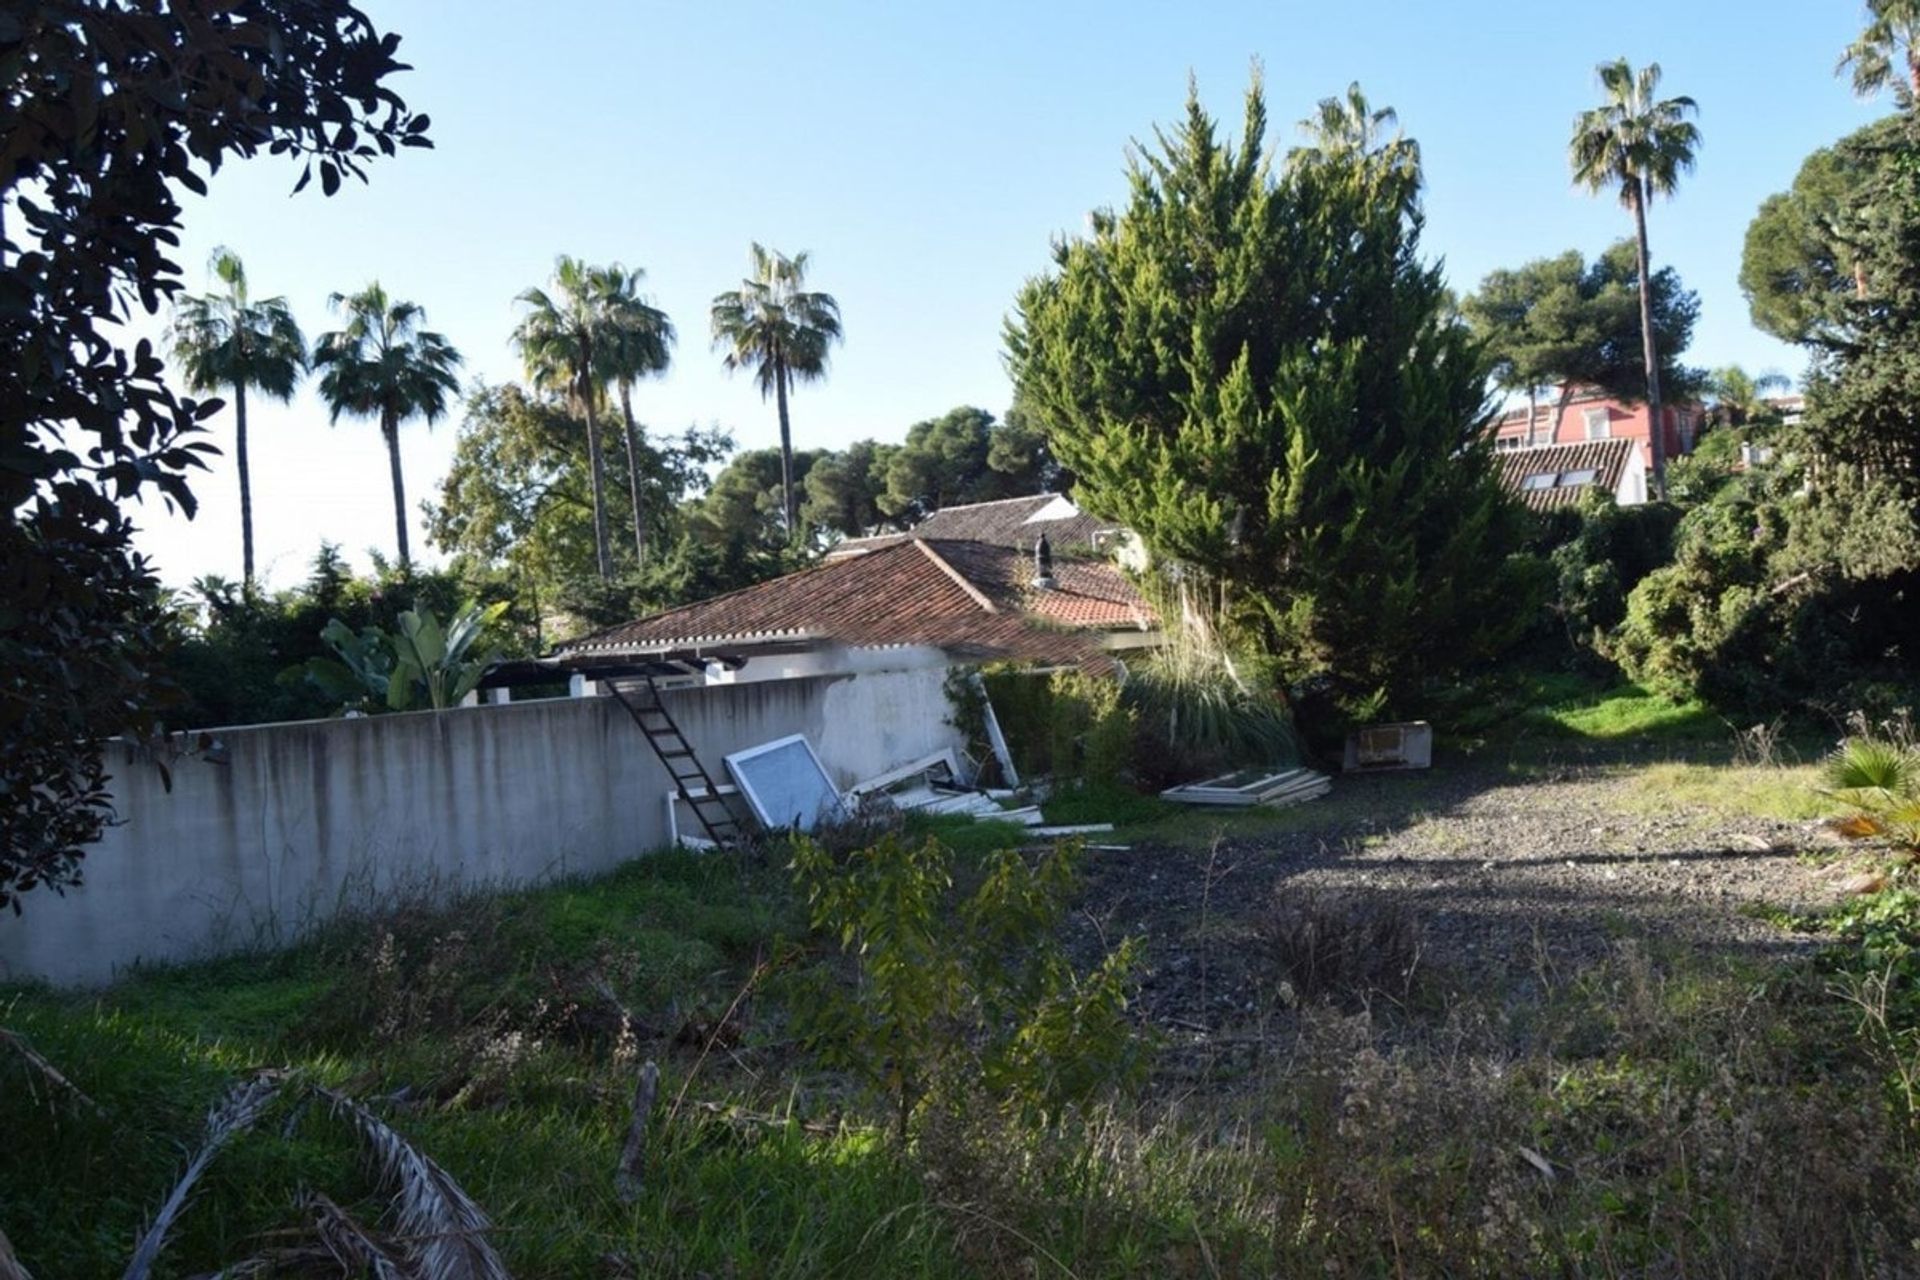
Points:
(1507, 880)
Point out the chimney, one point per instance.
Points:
(1043, 565)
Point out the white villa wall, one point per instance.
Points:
(1632, 489)
(299, 821)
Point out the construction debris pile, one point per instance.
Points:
(933, 785)
(1273, 788)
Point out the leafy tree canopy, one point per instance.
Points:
(1253, 368)
(844, 491)
(519, 495)
(960, 457)
(1567, 322)
(1797, 269)
(746, 501)
(1863, 404)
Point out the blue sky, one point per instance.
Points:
(925, 153)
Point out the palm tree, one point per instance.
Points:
(771, 325)
(559, 340)
(1639, 144)
(1739, 396)
(384, 365)
(1353, 126)
(230, 339)
(638, 342)
(1889, 45)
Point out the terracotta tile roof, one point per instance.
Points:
(1565, 463)
(1010, 522)
(967, 597)
(1086, 593)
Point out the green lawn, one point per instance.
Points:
(1627, 711)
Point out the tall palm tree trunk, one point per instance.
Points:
(246, 481)
(633, 478)
(1656, 425)
(786, 455)
(599, 469)
(390, 429)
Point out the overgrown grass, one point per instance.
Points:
(515, 1077)
(1790, 793)
(1664, 1111)
(969, 839)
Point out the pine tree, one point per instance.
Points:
(1255, 371)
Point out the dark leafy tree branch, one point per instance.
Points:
(108, 110)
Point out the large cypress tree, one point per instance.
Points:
(1251, 366)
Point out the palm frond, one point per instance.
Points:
(229, 339)
(234, 1114)
(772, 326)
(383, 361)
(1889, 43)
(356, 1249)
(1633, 140)
(1873, 774)
(11, 1268)
(48, 1072)
(441, 1229)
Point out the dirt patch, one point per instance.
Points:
(1513, 883)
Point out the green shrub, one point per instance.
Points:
(1092, 730)
(1069, 725)
(1878, 779)
(1779, 599)
(1608, 553)
(978, 994)
(1197, 716)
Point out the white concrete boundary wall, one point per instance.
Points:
(300, 821)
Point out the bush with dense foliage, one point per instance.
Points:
(1602, 553)
(1797, 584)
(240, 656)
(1781, 600)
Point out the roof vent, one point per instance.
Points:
(1043, 565)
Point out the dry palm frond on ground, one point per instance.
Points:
(440, 1226)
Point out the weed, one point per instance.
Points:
(978, 989)
(1342, 947)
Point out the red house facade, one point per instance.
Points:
(1592, 415)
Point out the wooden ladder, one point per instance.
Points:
(691, 780)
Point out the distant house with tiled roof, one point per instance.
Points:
(1560, 475)
(1584, 414)
(910, 602)
(1009, 522)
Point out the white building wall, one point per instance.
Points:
(297, 822)
(1632, 490)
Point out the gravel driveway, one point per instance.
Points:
(1505, 877)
